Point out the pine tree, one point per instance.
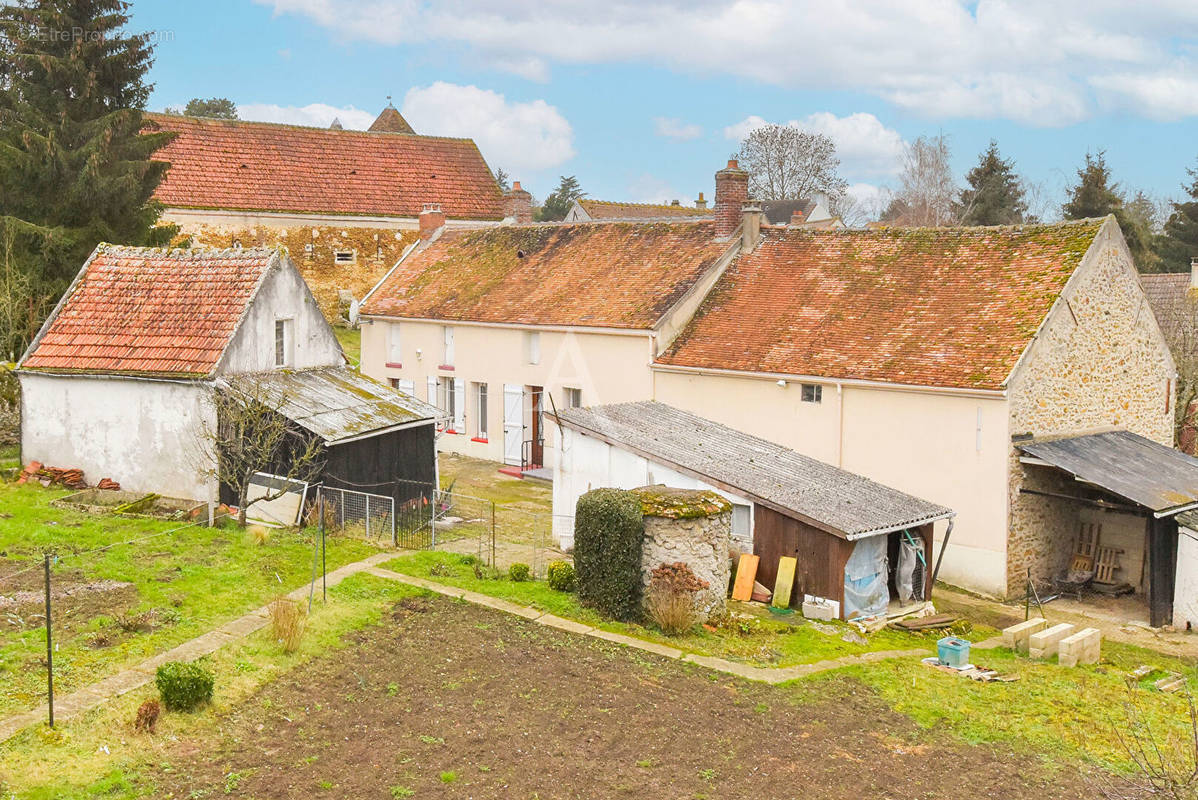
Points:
(994, 195)
(1096, 196)
(75, 166)
(1178, 246)
(557, 204)
(214, 107)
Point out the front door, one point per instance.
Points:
(513, 422)
(537, 457)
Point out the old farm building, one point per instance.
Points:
(119, 380)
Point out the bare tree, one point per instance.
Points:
(858, 212)
(1165, 762)
(251, 437)
(927, 189)
(785, 163)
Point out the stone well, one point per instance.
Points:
(693, 526)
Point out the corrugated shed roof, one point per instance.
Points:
(141, 310)
(611, 210)
(828, 497)
(335, 403)
(261, 166)
(613, 274)
(1148, 474)
(945, 307)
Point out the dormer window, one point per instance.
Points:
(284, 343)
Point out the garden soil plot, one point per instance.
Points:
(451, 700)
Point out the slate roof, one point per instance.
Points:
(336, 403)
(612, 274)
(1148, 474)
(780, 212)
(259, 166)
(611, 210)
(148, 311)
(944, 307)
(830, 498)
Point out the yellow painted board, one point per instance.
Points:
(746, 573)
(785, 582)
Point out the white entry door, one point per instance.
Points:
(513, 422)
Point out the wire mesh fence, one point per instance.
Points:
(369, 515)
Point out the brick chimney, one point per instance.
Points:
(701, 202)
(797, 218)
(731, 192)
(750, 230)
(432, 219)
(517, 204)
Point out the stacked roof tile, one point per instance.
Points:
(144, 311)
(946, 307)
(621, 275)
(256, 166)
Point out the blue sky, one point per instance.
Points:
(644, 100)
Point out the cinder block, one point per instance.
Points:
(1016, 637)
(1045, 643)
(1083, 647)
(817, 610)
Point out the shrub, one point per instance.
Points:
(147, 716)
(183, 685)
(519, 572)
(441, 569)
(287, 622)
(671, 598)
(561, 576)
(136, 621)
(608, 532)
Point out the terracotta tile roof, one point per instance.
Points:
(612, 274)
(261, 166)
(946, 307)
(606, 209)
(138, 310)
(1173, 304)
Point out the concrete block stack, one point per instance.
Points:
(1045, 643)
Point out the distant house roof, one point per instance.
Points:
(1173, 304)
(147, 311)
(390, 121)
(335, 403)
(943, 307)
(612, 274)
(1151, 475)
(780, 212)
(258, 166)
(608, 210)
(827, 497)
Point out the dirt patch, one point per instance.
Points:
(452, 700)
(26, 608)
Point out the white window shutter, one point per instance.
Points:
(432, 390)
(407, 386)
(395, 348)
(459, 405)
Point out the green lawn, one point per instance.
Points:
(764, 639)
(351, 343)
(192, 580)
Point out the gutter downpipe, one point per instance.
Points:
(943, 546)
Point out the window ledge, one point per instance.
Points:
(447, 367)
(393, 365)
(481, 440)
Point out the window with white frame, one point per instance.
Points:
(447, 351)
(572, 397)
(344, 256)
(812, 393)
(480, 410)
(394, 345)
(741, 521)
(532, 347)
(283, 343)
(451, 400)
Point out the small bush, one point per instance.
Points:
(136, 621)
(608, 533)
(671, 598)
(183, 685)
(561, 576)
(147, 716)
(519, 572)
(287, 623)
(484, 572)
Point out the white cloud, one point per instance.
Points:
(864, 145)
(317, 115)
(1038, 63)
(672, 128)
(1167, 95)
(512, 135)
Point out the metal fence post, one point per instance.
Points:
(394, 534)
(49, 648)
(493, 533)
(367, 516)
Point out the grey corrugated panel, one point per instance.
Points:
(835, 499)
(336, 403)
(1148, 474)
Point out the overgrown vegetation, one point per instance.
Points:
(184, 686)
(287, 619)
(670, 600)
(608, 532)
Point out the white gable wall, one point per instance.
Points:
(283, 295)
(147, 435)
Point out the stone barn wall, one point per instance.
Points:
(694, 527)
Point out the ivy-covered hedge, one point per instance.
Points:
(608, 531)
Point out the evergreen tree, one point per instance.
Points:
(75, 166)
(503, 179)
(214, 107)
(1178, 245)
(1096, 196)
(558, 203)
(994, 195)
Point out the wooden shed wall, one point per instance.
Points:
(821, 556)
(373, 464)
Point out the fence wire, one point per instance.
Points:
(370, 515)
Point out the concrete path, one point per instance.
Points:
(72, 705)
(764, 674)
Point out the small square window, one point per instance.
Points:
(532, 347)
(812, 393)
(573, 397)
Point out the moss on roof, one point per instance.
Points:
(663, 501)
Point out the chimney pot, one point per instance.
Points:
(700, 203)
(432, 219)
(517, 204)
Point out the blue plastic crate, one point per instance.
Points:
(953, 651)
